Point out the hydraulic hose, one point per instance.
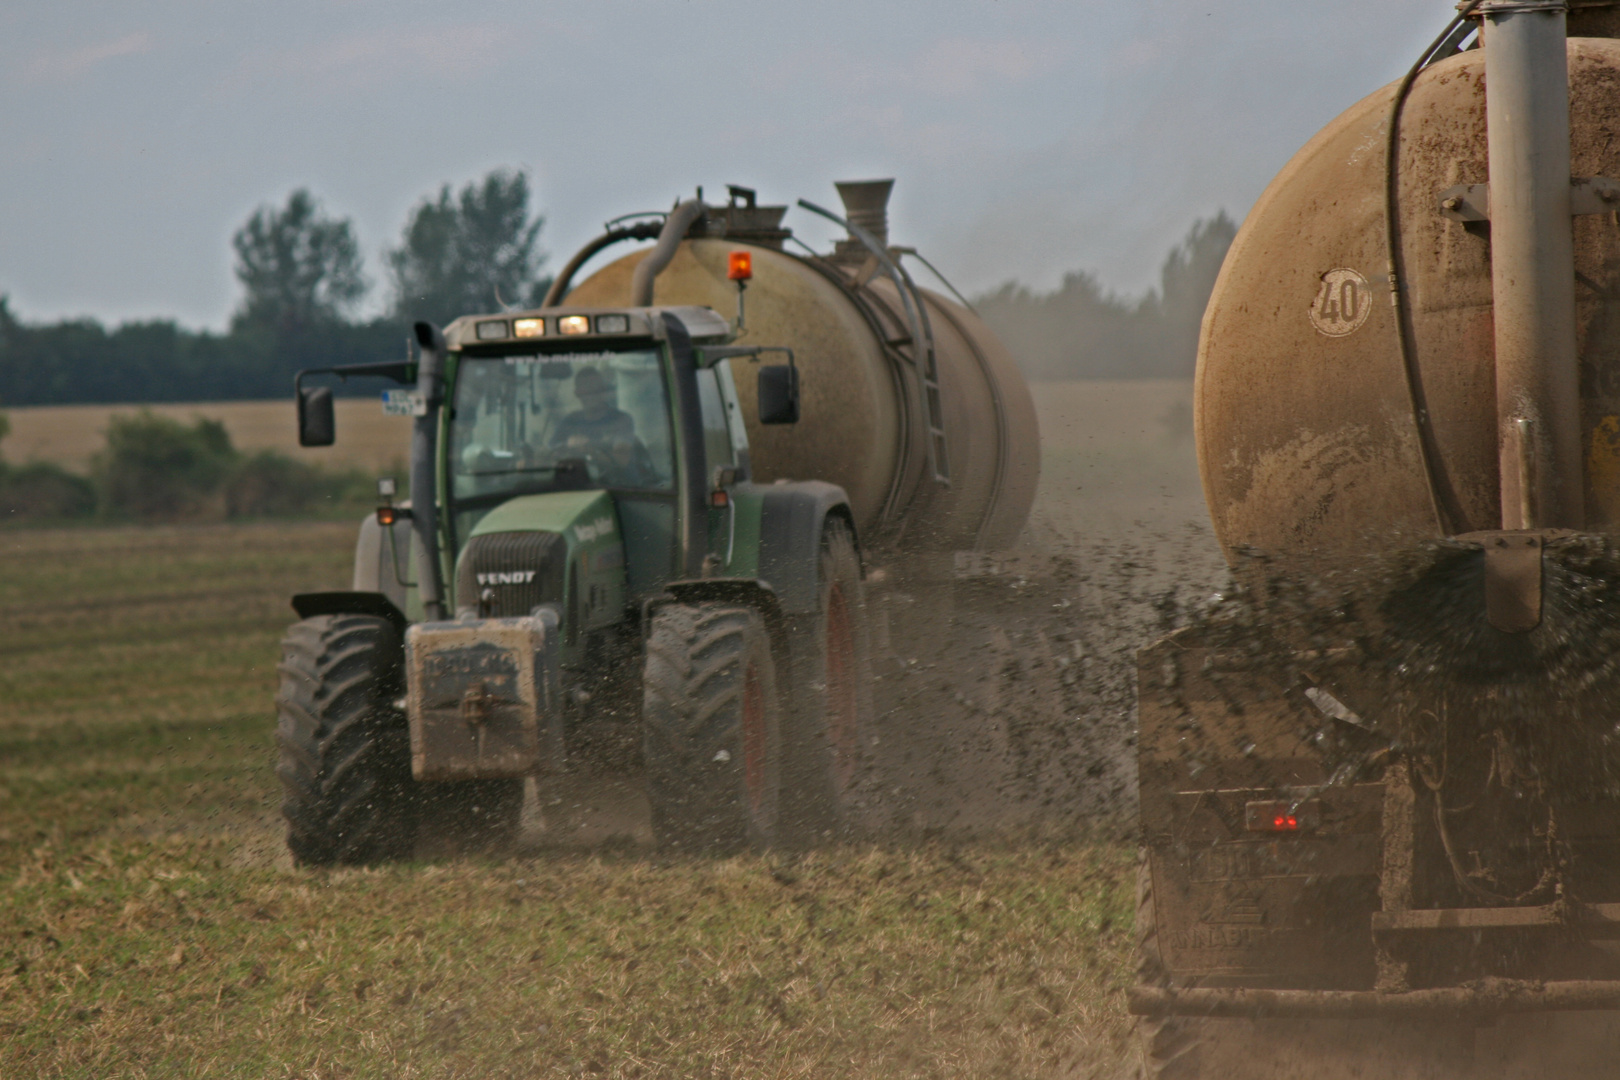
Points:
(1447, 512)
(644, 230)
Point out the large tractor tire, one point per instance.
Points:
(345, 760)
(711, 729)
(831, 783)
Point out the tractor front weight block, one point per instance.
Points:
(483, 698)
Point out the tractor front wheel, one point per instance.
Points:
(712, 728)
(345, 761)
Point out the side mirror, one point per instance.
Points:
(317, 426)
(779, 394)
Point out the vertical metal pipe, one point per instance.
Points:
(425, 470)
(1533, 264)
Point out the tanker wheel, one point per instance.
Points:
(471, 815)
(830, 739)
(344, 763)
(711, 728)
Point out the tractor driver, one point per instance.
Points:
(600, 426)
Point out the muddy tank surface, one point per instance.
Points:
(1308, 437)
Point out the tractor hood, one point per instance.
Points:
(562, 549)
(588, 515)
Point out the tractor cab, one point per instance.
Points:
(577, 428)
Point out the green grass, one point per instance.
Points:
(151, 924)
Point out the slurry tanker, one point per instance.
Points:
(654, 531)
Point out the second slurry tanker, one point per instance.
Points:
(1380, 785)
(624, 556)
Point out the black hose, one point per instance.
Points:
(1447, 512)
(646, 230)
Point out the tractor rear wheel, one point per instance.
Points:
(345, 762)
(831, 771)
(711, 728)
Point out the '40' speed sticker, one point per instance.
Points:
(1341, 304)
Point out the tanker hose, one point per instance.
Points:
(1447, 513)
(642, 230)
(669, 239)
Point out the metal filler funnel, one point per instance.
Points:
(866, 203)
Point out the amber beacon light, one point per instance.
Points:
(740, 266)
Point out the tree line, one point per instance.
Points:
(1082, 331)
(303, 279)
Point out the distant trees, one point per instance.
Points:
(303, 280)
(1081, 331)
(475, 252)
(298, 267)
(477, 249)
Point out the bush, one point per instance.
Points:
(154, 469)
(42, 491)
(269, 484)
(157, 469)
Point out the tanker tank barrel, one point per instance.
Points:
(910, 404)
(1533, 264)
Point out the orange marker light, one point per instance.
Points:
(740, 266)
(387, 515)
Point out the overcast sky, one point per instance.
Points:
(1028, 137)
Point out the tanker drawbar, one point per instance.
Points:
(1380, 778)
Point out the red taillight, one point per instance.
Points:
(719, 498)
(740, 266)
(1282, 815)
(387, 515)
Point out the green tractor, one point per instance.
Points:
(585, 578)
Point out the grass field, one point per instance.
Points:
(151, 924)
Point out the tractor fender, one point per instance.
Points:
(748, 592)
(310, 604)
(792, 516)
(382, 558)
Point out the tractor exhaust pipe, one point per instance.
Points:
(1538, 411)
(424, 471)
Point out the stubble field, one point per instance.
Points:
(151, 923)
